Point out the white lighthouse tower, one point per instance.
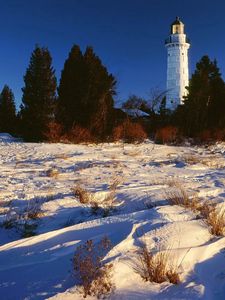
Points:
(177, 45)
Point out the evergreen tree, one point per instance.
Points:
(85, 92)
(7, 111)
(39, 95)
(70, 108)
(98, 100)
(204, 107)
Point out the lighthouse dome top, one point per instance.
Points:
(177, 21)
(177, 27)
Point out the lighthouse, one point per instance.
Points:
(177, 45)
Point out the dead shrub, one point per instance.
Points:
(54, 132)
(168, 134)
(20, 222)
(33, 209)
(129, 132)
(103, 206)
(156, 267)
(108, 203)
(28, 229)
(78, 134)
(83, 195)
(94, 276)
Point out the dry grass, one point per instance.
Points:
(53, 173)
(179, 196)
(94, 276)
(103, 206)
(114, 184)
(156, 267)
(191, 159)
(213, 162)
(214, 218)
(63, 156)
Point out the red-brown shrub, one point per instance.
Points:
(78, 134)
(129, 132)
(54, 132)
(219, 134)
(205, 136)
(168, 134)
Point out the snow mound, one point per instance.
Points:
(7, 138)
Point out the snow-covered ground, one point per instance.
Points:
(42, 175)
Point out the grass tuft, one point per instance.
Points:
(156, 267)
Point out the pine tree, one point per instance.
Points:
(85, 93)
(39, 95)
(204, 107)
(100, 88)
(70, 108)
(7, 111)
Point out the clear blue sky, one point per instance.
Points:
(128, 35)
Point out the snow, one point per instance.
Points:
(135, 112)
(6, 137)
(40, 266)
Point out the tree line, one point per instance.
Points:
(83, 99)
(203, 112)
(82, 106)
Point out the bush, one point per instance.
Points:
(205, 136)
(54, 132)
(94, 275)
(168, 134)
(78, 134)
(219, 134)
(83, 195)
(103, 206)
(129, 132)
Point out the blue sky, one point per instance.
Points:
(128, 35)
